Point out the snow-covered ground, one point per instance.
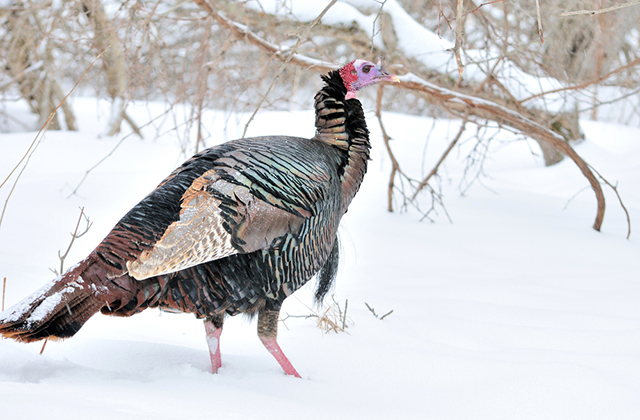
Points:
(515, 310)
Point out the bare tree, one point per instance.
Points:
(519, 65)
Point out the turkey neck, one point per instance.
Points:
(340, 123)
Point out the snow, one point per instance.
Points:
(306, 11)
(516, 309)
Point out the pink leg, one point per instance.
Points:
(272, 345)
(213, 340)
(268, 331)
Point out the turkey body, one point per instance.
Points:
(297, 177)
(236, 229)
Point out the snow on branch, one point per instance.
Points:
(456, 103)
(242, 32)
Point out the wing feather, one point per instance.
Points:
(218, 218)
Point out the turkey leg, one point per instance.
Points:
(268, 332)
(213, 328)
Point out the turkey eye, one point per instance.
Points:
(366, 69)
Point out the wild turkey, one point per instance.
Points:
(236, 229)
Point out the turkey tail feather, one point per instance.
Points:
(57, 310)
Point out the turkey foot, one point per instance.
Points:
(213, 328)
(268, 331)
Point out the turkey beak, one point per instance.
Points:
(383, 75)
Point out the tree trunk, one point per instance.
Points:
(113, 65)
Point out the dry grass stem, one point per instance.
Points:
(331, 318)
(4, 290)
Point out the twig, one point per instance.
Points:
(482, 5)
(597, 12)
(344, 317)
(375, 22)
(615, 190)
(104, 158)
(395, 166)
(539, 21)
(329, 320)
(566, 205)
(386, 315)
(242, 32)
(458, 44)
(74, 236)
(470, 12)
(425, 181)
(458, 103)
(4, 289)
(291, 53)
(373, 311)
(44, 345)
(132, 124)
(36, 141)
(585, 84)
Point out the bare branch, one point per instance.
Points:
(373, 311)
(395, 167)
(482, 5)
(459, 27)
(539, 21)
(242, 32)
(615, 190)
(36, 141)
(599, 11)
(425, 181)
(104, 158)
(587, 83)
(460, 104)
(75, 235)
(290, 54)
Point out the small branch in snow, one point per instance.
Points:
(373, 311)
(75, 235)
(333, 318)
(615, 190)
